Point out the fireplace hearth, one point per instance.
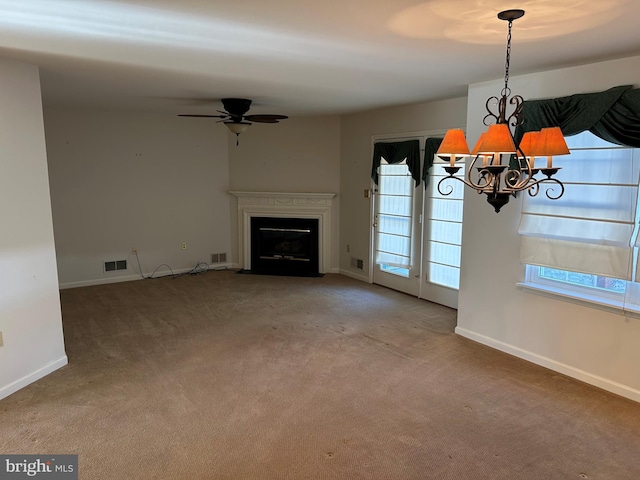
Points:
(284, 246)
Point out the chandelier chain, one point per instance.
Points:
(506, 91)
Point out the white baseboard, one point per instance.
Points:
(100, 281)
(129, 278)
(595, 380)
(13, 387)
(357, 276)
(217, 266)
(221, 266)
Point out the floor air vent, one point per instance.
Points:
(114, 265)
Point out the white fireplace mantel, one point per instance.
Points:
(284, 205)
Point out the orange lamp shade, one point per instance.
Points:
(454, 143)
(476, 149)
(529, 144)
(552, 143)
(497, 139)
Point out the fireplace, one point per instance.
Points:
(287, 206)
(284, 246)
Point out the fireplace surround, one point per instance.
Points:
(284, 205)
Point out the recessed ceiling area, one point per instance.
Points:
(297, 57)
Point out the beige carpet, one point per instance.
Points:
(228, 376)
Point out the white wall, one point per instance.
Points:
(30, 319)
(123, 179)
(300, 154)
(355, 175)
(587, 343)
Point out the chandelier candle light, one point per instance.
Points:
(498, 180)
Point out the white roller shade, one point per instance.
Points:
(394, 216)
(577, 257)
(590, 228)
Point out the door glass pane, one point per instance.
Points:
(394, 219)
(444, 229)
(445, 253)
(403, 272)
(395, 205)
(444, 275)
(449, 232)
(445, 209)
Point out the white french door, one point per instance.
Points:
(396, 231)
(417, 233)
(442, 245)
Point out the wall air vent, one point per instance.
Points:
(114, 265)
(218, 258)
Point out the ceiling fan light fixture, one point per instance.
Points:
(237, 127)
(234, 116)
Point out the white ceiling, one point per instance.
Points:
(298, 57)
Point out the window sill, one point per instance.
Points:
(590, 301)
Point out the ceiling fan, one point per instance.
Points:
(234, 116)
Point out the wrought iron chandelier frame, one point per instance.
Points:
(500, 181)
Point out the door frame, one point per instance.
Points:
(421, 135)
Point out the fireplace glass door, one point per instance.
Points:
(284, 246)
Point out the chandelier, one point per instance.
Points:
(502, 169)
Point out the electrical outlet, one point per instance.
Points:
(134, 251)
(1, 342)
(183, 245)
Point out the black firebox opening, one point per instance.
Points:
(284, 246)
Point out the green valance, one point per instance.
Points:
(431, 146)
(396, 152)
(613, 115)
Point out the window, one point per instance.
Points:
(585, 243)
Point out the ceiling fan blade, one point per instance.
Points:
(265, 118)
(205, 116)
(262, 121)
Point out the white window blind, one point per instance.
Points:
(395, 191)
(590, 228)
(444, 215)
